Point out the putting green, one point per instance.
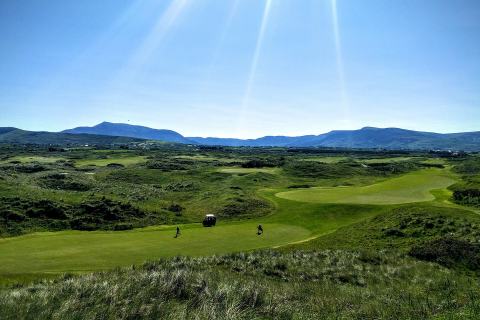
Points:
(412, 187)
(75, 251)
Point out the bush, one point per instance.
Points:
(467, 197)
(58, 181)
(46, 209)
(244, 207)
(449, 252)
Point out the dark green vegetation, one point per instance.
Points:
(398, 244)
(467, 192)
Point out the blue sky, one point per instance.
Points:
(241, 68)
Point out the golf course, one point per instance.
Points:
(98, 226)
(299, 215)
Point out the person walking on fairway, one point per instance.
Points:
(259, 229)
(178, 232)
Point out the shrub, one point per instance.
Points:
(449, 252)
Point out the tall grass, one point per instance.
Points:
(258, 285)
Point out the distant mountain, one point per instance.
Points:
(127, 130)
(14, 135)
(368, 137)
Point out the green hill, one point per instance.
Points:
(18, 136)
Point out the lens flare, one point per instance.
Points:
(345, 103)
(253, 69)
(161, 28)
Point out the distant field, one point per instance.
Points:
(126, 161)
(249, 170)
(386, 160)
(326, 159)
(206, 158)
(412, 187)
(35, 159)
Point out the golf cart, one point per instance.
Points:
(210, 220)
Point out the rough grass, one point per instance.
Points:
(404, 227)
(260, 285)
(412, 187)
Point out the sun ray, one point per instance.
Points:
(344, 99)
(159, 31)
(253, 68)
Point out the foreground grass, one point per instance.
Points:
(412, 187)
(260, 285)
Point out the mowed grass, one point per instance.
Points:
(39, 159)
(412, 187)
(126, 161)
(326, 159)
(386, 160)
(75, 251)
(249, 170)
(46, 254)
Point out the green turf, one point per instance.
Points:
(412, 187)
(39, 159)
(386, 160)
(126, 161)
(248, 170)
(74, 251)
(325, 159)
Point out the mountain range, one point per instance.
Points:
(18, 136)
(368, 137)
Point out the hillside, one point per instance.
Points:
(368, 137)
(126, 130)
(14, 135)
(365, 138)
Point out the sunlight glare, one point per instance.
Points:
(253, 68)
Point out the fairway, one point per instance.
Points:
(73, 251)
(412, 187)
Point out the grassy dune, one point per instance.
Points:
(412, 187)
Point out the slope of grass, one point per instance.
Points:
(402, 227)
(259, 285)
(412, 187)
